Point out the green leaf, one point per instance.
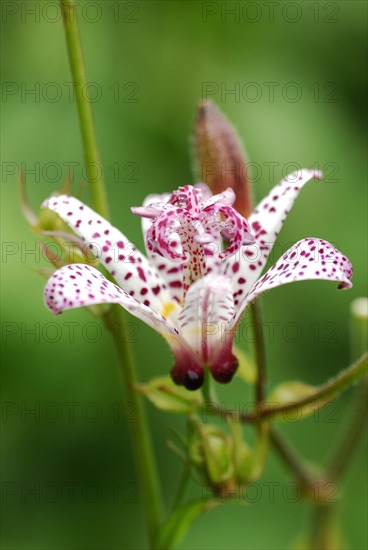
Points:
(175, 528)
(247, 369)
(289, 393)
(167, 396)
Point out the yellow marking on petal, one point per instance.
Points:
(172, 340)
(193, 330)
(167, 309)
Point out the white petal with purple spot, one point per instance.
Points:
(121, 258)
(306, 260)
(80, 285)
(208, 308)
(265, 223)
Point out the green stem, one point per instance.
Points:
(208, 392)
(326, 392)
(321, 536)
(91, 156)
(142, 445)
(302, 472)
(352, 434)
(260, 389)
(313, 484)
(310, 482)
(183, 484)
(260, 353)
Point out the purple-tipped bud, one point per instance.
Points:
(219, 157)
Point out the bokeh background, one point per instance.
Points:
(68, 481)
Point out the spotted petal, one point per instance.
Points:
(126, 264)
(171, 272)
(208, 307)
(227, 197)
(205, 191)
(80, 285)
(151, 200)
(265, 222)
(308, 259)
(235, 228)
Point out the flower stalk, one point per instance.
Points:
(326, 392)
(90, 149)
(302, 472)
(144, 457)
(353, 433)
(322, 528)
(142, 444)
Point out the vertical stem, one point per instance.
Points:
(322, 526)
(353, 433)
(260, 353)
(305, 477)
(207, 388)
(91, 156)
(359, 345)
(142, 445)
(260, 390)
(182, 486)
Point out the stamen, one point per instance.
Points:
(198, 221)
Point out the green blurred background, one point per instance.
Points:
(151, 62)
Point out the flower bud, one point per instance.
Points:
(49, 221)
(45, 220)
(247, 465)
(219, 157)
(211, 453)
(217, 454)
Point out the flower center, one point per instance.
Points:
(190, 229)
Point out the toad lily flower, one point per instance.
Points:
(191, 288)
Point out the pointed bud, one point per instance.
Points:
(219, 157)
(210, 450)
(49, 221)
(218, 456)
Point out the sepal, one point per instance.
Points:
(169, 397)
